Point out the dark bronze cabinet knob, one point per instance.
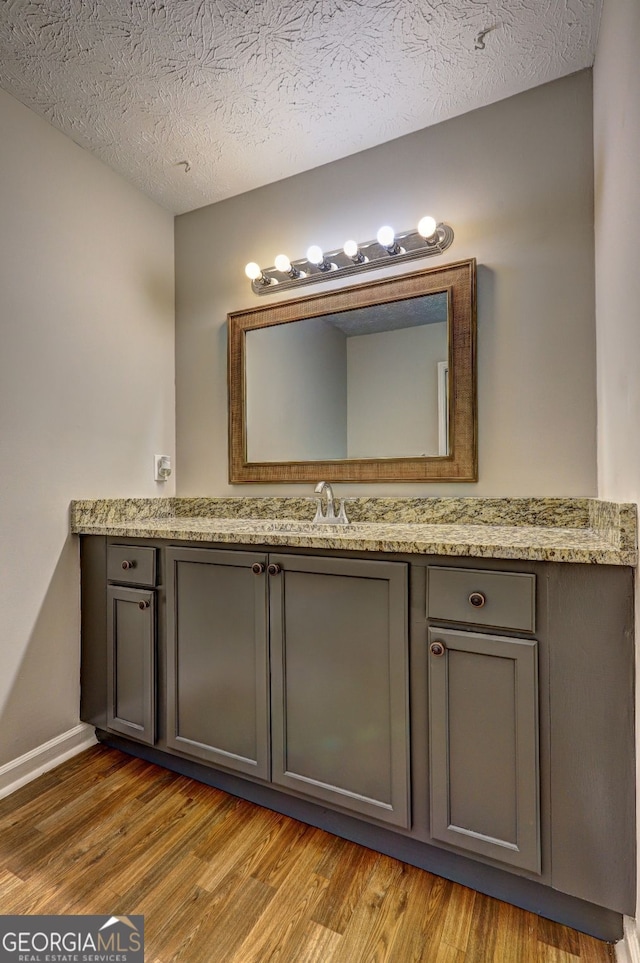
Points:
(274, 569)
(144, 604)
(258, 568)
(127, 565)
(436, 648)
(477, 599)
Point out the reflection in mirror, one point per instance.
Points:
(369, 382)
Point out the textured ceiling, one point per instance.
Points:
(198, 100)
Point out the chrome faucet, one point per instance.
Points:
(329, 517)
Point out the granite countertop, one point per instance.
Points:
(584, 530)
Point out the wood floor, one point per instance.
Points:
(220, 880)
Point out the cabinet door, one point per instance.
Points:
(217, 657)
(483, 721)
(339, 683)
(131, 661)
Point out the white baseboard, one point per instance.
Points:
(628, 949)
(22, 770)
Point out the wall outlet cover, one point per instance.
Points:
(161, 467)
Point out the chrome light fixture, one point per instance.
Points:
(428, 239)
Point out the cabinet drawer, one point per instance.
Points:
(131, 564)
(500, 599)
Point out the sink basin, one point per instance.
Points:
(285, 526)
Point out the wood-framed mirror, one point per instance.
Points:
(371, 383)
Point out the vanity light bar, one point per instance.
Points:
(428, 240)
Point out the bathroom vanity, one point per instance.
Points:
(449, 681)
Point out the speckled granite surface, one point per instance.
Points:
(545, 529)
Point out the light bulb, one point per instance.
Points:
(315, 254)
(427, 227)
(283, 263)
(253, 271)
(386, 236)
(352, 250)
(387, 239)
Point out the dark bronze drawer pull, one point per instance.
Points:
(477, 599)
(144, 604)
(258, 568)
(274, 569)
(436, 648)
(127, 565)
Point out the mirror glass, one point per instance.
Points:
(373, 382)
(333, 385)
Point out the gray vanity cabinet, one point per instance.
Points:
(483, 732)
(131, 641)
(336, 682)
(217, 657)
(284, 678)
(484, 777)
(131, 662)
(340, 708)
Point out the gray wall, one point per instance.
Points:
(515, 180)
(298, 377)
(86, 396)
(617, 227)
(388, 415)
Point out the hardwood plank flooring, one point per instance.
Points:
(220, 880)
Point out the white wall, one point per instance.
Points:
(617, 230)
(86, 395)
(515, 180)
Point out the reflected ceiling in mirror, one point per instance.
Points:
(371, 383)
